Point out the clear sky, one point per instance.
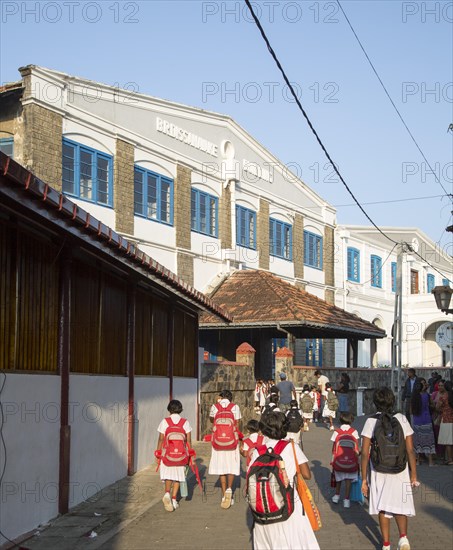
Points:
(210, 55)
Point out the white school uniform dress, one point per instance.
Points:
(173, 473)
(390, 493)
(262, 397)
(341, 476)
(326, 412)
(225, 462)
(296, 532)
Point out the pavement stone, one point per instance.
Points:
(133, 517)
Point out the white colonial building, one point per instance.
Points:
(365, 277)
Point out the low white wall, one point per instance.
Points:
(98, 417)
(31, 429)
(151, 399)
(185, 389)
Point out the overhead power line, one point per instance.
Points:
(296, 98)
(391, 100)
(391, 201)
(298, 103)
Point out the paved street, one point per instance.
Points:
(133, 517)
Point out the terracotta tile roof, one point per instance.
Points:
(259, 298)
(33, 189)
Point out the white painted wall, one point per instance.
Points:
(104, 214)
(165, 257)
(151, 398)
(163, 236)
(186, 390)
(31, 430)
(280, 267)
(98, 420)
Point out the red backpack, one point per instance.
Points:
(252, 445)
(270, 496)
(345, 447)
(175, 451)
(225, 436)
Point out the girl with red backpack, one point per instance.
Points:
(173, 452)
(225, 459)
(253, 440)
(345, 457)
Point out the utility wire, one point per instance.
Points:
(290, 87)
(392, 102)
(296, 99)
(391, 201)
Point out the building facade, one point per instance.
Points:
(192, 188)
(366, 279)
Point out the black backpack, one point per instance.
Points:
(295, 420)
(270, 498)
(388, 445)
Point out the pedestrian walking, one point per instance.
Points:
(287, 392)
(445, 408)
(295, 423)
(173, 453)
(345, 457)
(307, 403)
(295, 533)
(331, 405)
(422, 422)
(225, 459)
(254, 439)
(388, 467)
(407, 392)
(322, 381)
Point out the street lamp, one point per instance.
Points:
(442, 294)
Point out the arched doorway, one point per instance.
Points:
(375, 346)
(432, 353)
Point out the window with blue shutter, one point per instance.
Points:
(153, 196)
(87, 173)
(280, 239)
(446, 282)
(393, 275)
(245, 227)
(353, 265)
(430, 282)
(204, 213)
(312, 250)
(376, 271)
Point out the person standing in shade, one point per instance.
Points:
(287, 393)
(342, 392)
(322, 381)
(407, 392)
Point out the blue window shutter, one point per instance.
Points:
(87, 173)
(430, 282)
(393, 276)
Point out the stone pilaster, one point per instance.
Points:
(182, 193)
(185, 267)
(329, 256)
(225, 233)
(42, 144)
(298, 246)
(123, 187)
(263, 234)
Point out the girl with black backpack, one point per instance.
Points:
(389, 467)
